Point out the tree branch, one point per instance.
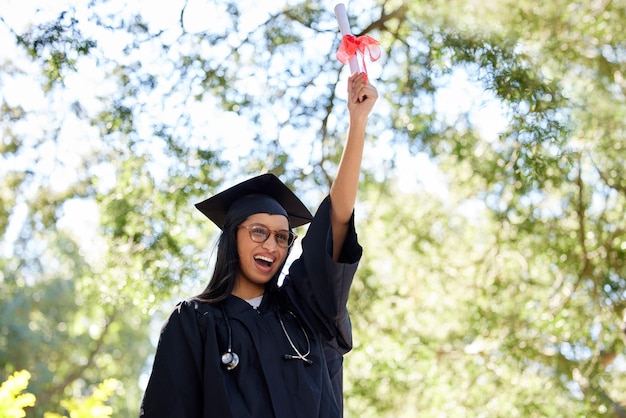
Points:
(381, 23)
(44, 398)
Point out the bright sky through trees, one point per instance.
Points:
(457, 96)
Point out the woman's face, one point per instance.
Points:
(259, 261)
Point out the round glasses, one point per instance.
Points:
(261, 233)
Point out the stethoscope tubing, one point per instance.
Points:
(230, 359)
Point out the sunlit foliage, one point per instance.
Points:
(491, 210)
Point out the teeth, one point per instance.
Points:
(266, 259)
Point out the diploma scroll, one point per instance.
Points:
(344, 27)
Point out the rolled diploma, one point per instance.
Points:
(344, 27)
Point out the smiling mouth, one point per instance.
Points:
(264, 261)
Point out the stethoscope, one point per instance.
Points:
(230, 359)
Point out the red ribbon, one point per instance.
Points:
(350, 44)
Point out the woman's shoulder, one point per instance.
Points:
(194, 316)
(196, 307)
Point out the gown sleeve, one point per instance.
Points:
(177, 385)
(321, 285)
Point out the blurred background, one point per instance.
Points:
(491, 207)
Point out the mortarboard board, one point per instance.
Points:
(264, 186)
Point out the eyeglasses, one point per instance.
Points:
(261, 233)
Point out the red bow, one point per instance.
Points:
(350, 44)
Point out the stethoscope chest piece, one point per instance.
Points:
(230, 360)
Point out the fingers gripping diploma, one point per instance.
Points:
(361, 95)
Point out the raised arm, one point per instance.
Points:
(361, 98)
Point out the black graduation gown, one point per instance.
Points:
(188, 379)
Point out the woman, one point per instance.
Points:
(246, 347)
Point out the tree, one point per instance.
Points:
(13, 401)
(472, 301)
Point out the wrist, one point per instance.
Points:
(358, 118)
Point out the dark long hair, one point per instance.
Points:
(226, 269)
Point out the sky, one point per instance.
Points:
(417, 171)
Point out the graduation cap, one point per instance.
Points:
(261, 194)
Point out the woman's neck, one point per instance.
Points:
(248, 292)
